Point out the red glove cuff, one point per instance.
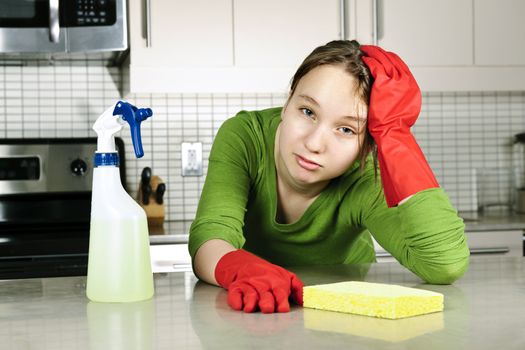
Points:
(404, 169)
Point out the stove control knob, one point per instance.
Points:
(78, 167)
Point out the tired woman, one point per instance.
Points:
(310, 182)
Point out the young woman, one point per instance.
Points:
(299, 185)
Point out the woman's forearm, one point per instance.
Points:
(207, 257)
(424, 234)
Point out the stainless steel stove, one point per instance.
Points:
(45, 203)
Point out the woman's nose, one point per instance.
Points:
(315, 140)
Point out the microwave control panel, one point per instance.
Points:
(94, 13)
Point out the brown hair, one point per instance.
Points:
(345, 53)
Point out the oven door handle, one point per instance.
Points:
(54, 25)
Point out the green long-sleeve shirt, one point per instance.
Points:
(239, 205)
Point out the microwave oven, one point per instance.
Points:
(41, 26)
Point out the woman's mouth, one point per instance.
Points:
(306, 164)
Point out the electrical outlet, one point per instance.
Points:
(191, 158)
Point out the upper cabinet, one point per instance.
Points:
(225, 45)
(174, 44)
(499, 32)
(422, 32)
(181, 33)
(276, 33)
(256, 46)
(450, 45)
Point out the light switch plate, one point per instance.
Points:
(191, 158)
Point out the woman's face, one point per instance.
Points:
(322, 128)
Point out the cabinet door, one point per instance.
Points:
(170, 258)
(499, 30)
(275, 33)
(422, 32)
(183, 33)
(490, 243)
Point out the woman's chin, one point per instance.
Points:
(306, 178)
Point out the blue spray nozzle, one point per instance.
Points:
(134, 116)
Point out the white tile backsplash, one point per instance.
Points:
(457, 131)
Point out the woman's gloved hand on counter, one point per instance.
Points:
(254, 283)
(395, 103)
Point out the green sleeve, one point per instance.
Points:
(424, 234)
(222, 205)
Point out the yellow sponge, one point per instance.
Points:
(372, 299)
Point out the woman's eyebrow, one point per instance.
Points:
(314, 102)
(309, 99)
(354, 118)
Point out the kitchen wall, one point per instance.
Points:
(459, 132)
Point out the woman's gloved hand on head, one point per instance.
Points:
(254, 283)
(395, 103)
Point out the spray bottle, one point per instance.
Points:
(119, 265)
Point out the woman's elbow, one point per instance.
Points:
(446, 273)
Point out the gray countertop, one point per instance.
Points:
(173, 232)
(483, 310)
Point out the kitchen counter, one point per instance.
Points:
(493, 221)
(176, 232)
(482, 311)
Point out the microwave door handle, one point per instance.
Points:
(148, 22)
(54, 25)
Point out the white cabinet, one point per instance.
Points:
(450, 45)
(170, 258)
(173, 43)
(499, 32)
(276, 33)
(182, 33)
(225, 45)
(423, 32)
(490, 243)
(255, 46)
(480, 243)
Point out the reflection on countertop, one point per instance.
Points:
(497, 220)
(481, 312)
(364, 326)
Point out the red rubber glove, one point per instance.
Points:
(395, 103)
(254, 282)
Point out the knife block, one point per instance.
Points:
(155, 212)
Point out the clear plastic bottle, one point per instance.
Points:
(119, 264)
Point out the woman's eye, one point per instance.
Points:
(307, 112)
(346, 130)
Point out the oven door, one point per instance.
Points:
(44, 235)
(31, 26)
(43, 250)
